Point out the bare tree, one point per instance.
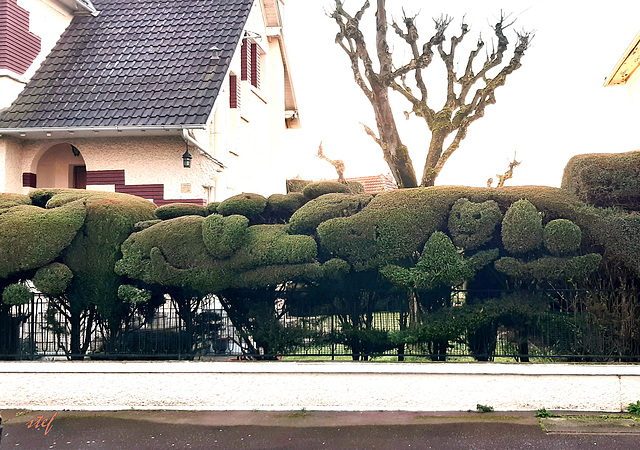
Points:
(507, 175)
(460, 109)
(337, 164)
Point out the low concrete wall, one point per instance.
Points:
(335, 386)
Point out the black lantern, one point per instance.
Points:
(186, 159)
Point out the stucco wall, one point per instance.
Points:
(317, 386)
(10, 164)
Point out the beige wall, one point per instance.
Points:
(10, 166)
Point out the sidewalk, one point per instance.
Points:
(306, 429)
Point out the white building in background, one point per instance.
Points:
(112, 95)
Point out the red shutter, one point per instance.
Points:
(256, 52)
(18, 46)
(245, 54)
(234, 92)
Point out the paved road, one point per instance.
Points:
(281, 430)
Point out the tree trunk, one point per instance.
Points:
(395, 153)
(436, 146)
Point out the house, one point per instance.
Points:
(626, 70)
(375, 184)
(181, 100)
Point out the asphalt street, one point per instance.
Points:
(297, 429)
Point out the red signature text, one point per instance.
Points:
(42, 422)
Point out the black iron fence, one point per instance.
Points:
(572, 326)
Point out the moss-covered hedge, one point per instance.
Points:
(222, 236)
(306, 219)
(522, 228)
(249, 205)
(52, 279)
(605, 179)
(174, 210)
(280, 207)
(318, 188)
(562, 237)
(16, 294)
(472, 224)
(10, 200)
(31, 237)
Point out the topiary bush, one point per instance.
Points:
(249, 205)
(472, 224)
(296, 185)
(174, 210)
(605, 179)
(306, 219)
(522, 228)
(52, 279)
(280, 207)
(212, 208)
(550, 268)
(31, 237)
(139, 226)
(318, 188)
(562, 237)
(222, 236)
(10, 200)
(16, 294)
(133, 295)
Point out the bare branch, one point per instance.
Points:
(509, 173)
(371, 133)
(337, 164)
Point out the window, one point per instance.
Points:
(234, 92)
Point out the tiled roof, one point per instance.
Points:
(376, 183)
(138, 63)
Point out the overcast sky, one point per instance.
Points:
(553, 107)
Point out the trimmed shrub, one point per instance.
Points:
(318, 188)
(139, 226)
(472, 224)
(439, 264)
(10, 200)
(295, 185)
(222, 236)
(16, 294)
(280, 207)
(355, 187)
(52, 279)
(249, 205)
(212, 208)
(31, 237)
(173, 210)
(133, 295)
(562, 237)
(550, 268)
(306, 219)
(522, 228)
(605, 179)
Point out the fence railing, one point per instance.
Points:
(571, 330)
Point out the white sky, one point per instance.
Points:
(553, 107)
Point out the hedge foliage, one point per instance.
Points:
(249, 205)
(562, 237)
(173, 210)
(472, 224)
(315, 190)
(522, 228)
(16, 294)
(605, 179)
(52, 279)
(306, 219)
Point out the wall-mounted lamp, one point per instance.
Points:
(186, 158)
(75, 150)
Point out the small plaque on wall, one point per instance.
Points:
(185, 188)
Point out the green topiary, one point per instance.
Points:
(16, 294)
(472, 224)
(173, 210)
(550, 268)
(139, 226)
(249, 205)
(280, 207)
(296, 185)
(52, 279)
(222, 236)
(212, 208)
(522, 228)
(315, 190)
(132, 294)
(306, 219)
(31, 237)
(562, 237)
(439, 264)
(605, 179)
(10, 200)
(355, 187)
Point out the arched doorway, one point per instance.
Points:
(61, 166)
